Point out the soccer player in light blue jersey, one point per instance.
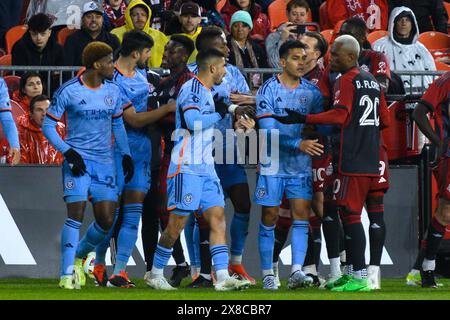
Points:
(8, 124)
(130, 77)
(93, 105)
(233, 177)
(291, 172)
(192, 180)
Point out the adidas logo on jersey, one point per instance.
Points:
(82, 102)
(382, 180)
(278, 100)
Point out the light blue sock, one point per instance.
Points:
(162, 256)
(196, 244)
(189, 237)
(219, 255)
(239, 232)
(128, 235)
(299, 241)
(100, 250)
(94, 235)
(266, 241)
(69, 242)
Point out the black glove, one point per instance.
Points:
(293, 117)
(221, 106)
(128, 168)
(76, 163)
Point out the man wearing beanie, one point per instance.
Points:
(93, 106)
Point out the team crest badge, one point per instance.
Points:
(109, 101)
(188, 198)
(261, 193)
(303, 100)
(365, 68)
(329, 170)
(172, 92)
(70, 184)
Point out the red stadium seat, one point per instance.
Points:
(375, 35)
(277, 14)
(220, 5)
(13, 83)
(63, 34)
(14, 34)
(437, 43)
(441, 66)
(5, 60)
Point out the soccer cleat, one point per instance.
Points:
(232, 283)
(353, 285)
(414, 279)
(200, 282)
(428, 280)
(333, 282)
(374, 277)
(120, 281)
(79, 277)
(316, 280)
(66, 282)
(100, 276)
(299, 280)
(269, 282)
(159, 283)
(276, 273)
(178, 274)
(239, 270)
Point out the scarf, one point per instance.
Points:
(237, 51)
(116, 21)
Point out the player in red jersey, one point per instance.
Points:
(359, 108)
(436, 100)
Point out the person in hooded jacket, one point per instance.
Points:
(403, 50)
(138, 16)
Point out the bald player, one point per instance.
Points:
(359, 109)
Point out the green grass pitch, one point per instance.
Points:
(47, 289)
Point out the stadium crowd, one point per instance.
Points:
(337, 58)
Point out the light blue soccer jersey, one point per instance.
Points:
(90, 112)
(8, 124)
(274, 98)
(195, 118)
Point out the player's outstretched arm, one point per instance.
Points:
(141, 119)
(50, 132)
(420, 117)
(10, 129)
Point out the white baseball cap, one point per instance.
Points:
(92, 6)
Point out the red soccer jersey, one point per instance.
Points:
(437, 99)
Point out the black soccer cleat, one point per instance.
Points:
(178, 274)
(200, 282)
(316, 281)
(428, 280)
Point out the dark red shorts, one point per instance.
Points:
(442, 175)
(351, 192)
(322, 169)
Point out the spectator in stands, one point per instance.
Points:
(38, 47)
(91, 30)
(114, 15)
(373, 12)
(30, 86)
(261, 24)
(188, 24)
(297, 13)
(9, 17)
(213, 16)
(245, 52)
(402, 49)
(423, 10)
(137, 16)
(34, 147)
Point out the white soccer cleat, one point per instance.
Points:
(159, 283)
(276, 273)
(269, 282)
(374, 277)
(299, 280)
(232, 283)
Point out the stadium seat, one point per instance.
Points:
(375, 35)
(14, 34)
(327, 34)
(13, 83)
(5, 60)
(437, 43)
(442, 66)
(63, 34)
(220, 5)
(277, 14)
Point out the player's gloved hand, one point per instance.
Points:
(76, 162)
(221, 106)
(128, 168)
(292, 117)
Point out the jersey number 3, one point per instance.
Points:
(370, 116)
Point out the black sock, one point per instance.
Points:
(281, 234)
(205, 254)
(309, 258)
(355, 241)
(178, 253)
(435, 233)
(331, 229)
(377, 234)
(317, 246)
(419, 259)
